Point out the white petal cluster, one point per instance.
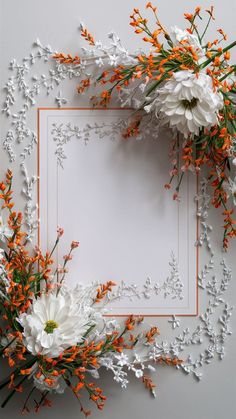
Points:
(179, 37)
(187, 102)
(54, 322)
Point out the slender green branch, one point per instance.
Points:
(230, 46)
(7, 380)
(11, 394)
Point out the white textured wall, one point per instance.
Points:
(55, 22)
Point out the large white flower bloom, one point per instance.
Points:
(179, 36)
(187, 102)
(54, 322)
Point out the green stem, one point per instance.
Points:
(7, 380)
(11, 394)
(230, 72)
(205, 64)
(207, 26)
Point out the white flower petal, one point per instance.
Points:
(201, 109)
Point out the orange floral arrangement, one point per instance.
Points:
(184, 82)
(58, 337)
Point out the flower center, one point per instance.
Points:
(190, 104)
(50, 326)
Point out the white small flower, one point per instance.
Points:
(234, 161)
(178, 37)
(122, 359)
(5, 231)
(99, 62)
(187, 102)
(137, 358)
(138, 373)
(113, 60)
(58, 385)
(112, 325)
(53, 323)
(174, 322)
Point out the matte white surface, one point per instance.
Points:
(55, 22)
(110, 196)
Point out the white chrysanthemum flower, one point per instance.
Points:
(187, 102)
(54, 322)
(179, 36)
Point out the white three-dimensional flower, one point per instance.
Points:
(53, 323)
(187, 102)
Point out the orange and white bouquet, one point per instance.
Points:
(183, 82)
(57, 337)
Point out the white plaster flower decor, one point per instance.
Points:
(58, 337)
(184, 82)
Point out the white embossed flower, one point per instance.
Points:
(187, 102)
(53, 323)
(179, 36)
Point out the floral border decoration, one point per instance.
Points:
(211, 329)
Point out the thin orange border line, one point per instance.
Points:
(38, 198)
(38, 174)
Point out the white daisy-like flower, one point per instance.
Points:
(179, 36)
(54, 322)
(5, 231)
(187, 102)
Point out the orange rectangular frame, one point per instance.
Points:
(38, 201)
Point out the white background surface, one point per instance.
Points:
(55, 22)
(128, 226)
